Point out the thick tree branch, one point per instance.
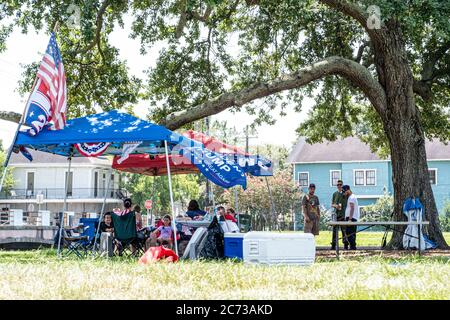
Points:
(429, 66)
(423, 89)
(354, 11)
(98, 30)
(186, 15)
(360, 53)
(430, 73)
(10, 116)
(355, 73)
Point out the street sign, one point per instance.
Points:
(148, 204)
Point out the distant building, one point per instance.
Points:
(47, 174)
(352, 161)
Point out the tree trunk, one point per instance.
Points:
(401, 122)
(410, 177)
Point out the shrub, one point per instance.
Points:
(444, 216)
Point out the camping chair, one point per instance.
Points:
(90, 230)
(125, 235)
(73, 244)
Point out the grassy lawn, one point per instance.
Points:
(40, 275)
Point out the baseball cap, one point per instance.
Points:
(345, 187)
(312, 185)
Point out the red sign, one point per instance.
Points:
(148, 204)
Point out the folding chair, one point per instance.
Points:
(90, 230)
(125, 235)
(73, 244)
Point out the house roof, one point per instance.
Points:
(352, 149)
(45, 157)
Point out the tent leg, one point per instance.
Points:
(171, 198)
(153, 203)
(61, 222)
(236, 206)
(103, 207)
(3, 178)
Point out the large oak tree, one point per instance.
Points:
(379, 72)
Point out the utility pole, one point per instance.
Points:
(247, 138)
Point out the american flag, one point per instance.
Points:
(48, 101)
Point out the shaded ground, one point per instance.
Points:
(374, 252)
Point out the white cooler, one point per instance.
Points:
(279, 248)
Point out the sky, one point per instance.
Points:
(23, 49)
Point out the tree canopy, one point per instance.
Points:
(212, 48)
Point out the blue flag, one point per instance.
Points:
(216, 167)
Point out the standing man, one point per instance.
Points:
(311, 211)
(339, 202)
(351, 214)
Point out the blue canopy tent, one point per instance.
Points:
(116, 133)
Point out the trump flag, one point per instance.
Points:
(48, 100)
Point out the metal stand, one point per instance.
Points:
(171, 198)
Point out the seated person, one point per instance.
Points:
(230, 215)
(107, 224)
(194, 210)
(221, 213)
(137, 212)
(165, 231)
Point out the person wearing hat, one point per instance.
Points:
(351, 214)
(311, 211)
(339, 203)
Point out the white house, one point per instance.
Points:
(46, 175)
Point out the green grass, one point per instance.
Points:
(39, 274)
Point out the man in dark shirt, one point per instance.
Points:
(311, 211)
(339, 202)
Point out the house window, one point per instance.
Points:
(111, 186)
(335, 175)
(69, 184)
(433, 176)
(359, 177)
(370, 177)
(365, 177)
(303, 179)
(95, 184)
(30, 183)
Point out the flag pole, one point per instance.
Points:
(21, 122)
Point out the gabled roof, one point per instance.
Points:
(352, 149)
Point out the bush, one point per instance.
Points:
(444, 216)
(380, 210)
